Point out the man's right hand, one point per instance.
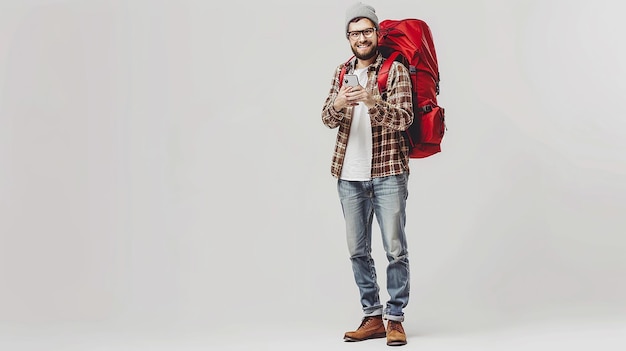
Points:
(341, 101)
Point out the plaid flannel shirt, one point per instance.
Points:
(389, 118)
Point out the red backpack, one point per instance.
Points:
(410, 42)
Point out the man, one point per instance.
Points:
(372, 166)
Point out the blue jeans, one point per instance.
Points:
(384, 197)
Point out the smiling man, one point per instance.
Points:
(371, 164)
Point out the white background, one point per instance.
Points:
(164, 173)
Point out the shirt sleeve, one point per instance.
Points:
(396, 111)
(330, 117)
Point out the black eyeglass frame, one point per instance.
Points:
(357, 33)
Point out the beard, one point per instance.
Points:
(373, 50)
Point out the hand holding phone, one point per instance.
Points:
(349, 97)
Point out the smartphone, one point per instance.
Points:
(351, 80)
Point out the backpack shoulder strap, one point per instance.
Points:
(343, 71)
(383, 73)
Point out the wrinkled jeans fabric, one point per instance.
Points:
(384, 198)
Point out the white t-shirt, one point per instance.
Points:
(357, 165)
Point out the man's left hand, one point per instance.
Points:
(359, 94)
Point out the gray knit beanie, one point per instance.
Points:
(361, 10)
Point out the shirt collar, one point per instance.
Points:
(373, 67)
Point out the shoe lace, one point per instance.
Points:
(395, 326)
(366, 321)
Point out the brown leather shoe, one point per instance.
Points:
(370, 328)
(395, 334)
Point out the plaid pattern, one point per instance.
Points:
(389, 117)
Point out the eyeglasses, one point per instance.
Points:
(355, 34)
